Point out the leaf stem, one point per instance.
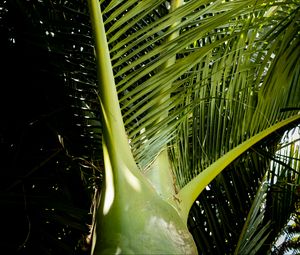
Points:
(160, 172)
(113, 126)
(189, 193)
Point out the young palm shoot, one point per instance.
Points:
(131, 218)
(160, 172)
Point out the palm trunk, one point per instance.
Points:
(132, 218)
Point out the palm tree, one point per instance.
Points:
(194, 97)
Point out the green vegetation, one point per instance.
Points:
(182, 106)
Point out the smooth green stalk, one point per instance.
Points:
(160, 176)
(174, 5)
(160, 172)
(189, 193)
(113, 123)
(131, 218)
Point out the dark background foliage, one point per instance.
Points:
(46, 184)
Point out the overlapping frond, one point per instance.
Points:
(224, 40)
(279, 198)
(220, 211)
(245, 207)
(242, 90)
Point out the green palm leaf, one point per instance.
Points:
(238, 107)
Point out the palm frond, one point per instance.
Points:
(232, 213)
(253, 237)
(211, 35)
(279, 201)
(220, 211)
(237, 105)
(144, 49)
